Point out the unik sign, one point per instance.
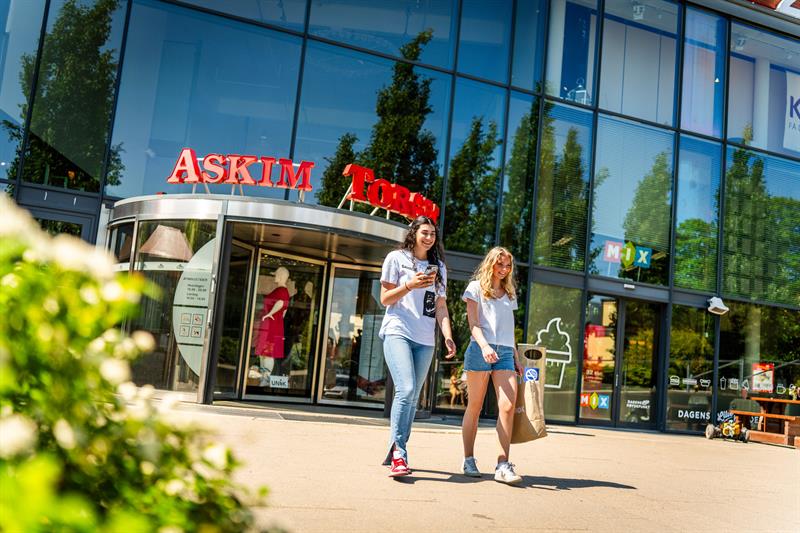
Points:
(387, 195)
(234, 169)
(791, 132)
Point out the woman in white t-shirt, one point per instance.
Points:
(491, 299)
(413, 289)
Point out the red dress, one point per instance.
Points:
(269, 332)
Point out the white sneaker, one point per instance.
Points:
(504, 473)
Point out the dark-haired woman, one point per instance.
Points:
(413, 289)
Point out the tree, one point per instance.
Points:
(470, 211)
(73, 100)
(334, 184)
(696, 254)
(400, 149)
(647, 221)
(518, 200)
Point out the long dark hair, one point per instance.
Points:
(435, 254)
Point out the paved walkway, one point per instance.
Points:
(324, 475)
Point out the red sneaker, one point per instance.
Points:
(399, 466)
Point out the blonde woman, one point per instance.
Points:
(491, 299)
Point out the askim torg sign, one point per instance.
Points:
(235, 169)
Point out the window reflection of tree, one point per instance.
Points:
(73, 100)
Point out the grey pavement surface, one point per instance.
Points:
(324, 474)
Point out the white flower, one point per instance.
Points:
(97, 345)
(139, 410)
(216, 455)
(17, 434)
(127, 390)
(143, 340)
(51, 306)
(17, 223)
(174, 486)
(170, 529)
(9, 280)
(112, 291)
(146, 391)
(147, 468)
(169, 402)
(125, 348)
(63, 433)
(112, 335)
(100, 263)
(115, 371)
(89, 295)
(69, 252)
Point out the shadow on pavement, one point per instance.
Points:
(528, 482)
(557, 483)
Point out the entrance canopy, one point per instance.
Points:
(323, 232)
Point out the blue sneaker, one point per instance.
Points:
(470, 468)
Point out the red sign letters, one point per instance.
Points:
(386, 195)
(234, 169)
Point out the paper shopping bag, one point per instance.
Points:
(529, 409)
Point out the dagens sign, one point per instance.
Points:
(235, 169)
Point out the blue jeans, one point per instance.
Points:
(408, 362)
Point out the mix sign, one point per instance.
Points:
(627, 253)
(596, 401)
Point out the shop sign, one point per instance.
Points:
(763, 377)
(687, 414)
(234, 169)
(390, 196)
(627, 253)
(559, 351)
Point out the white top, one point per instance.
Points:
(414, 315)
(495, 315)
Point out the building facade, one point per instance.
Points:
(638, 157)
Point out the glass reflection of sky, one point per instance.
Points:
(385, 26)
(340, 89)
(699, 168)
(22, 22)
(223, 87)
(485, 38)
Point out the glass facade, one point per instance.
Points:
(652, 145)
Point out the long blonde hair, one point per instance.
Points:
(485, 271)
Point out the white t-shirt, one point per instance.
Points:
(495, 315)
(414, 315)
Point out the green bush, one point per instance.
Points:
(81, 447)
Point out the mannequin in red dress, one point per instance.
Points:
(270, 331)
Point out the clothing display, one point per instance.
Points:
(270, 331)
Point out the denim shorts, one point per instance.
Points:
(474, 361)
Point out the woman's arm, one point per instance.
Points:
(391, 293)
(489, 355)
(443, 318)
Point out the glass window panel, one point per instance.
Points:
(355, 370)
(699, 170)
(285, 319)
(554, 322)
(57, 227)
(571, 43)
(599, 358)
(450, 382)
(691, 369)
(233, 323)
(703, 72)
(175, 256)
(638, 64)
(485, 39)
(19, 41)
(472, 182)
(632, 199)
(563, 191)
(121, 245)
(529, 32)
(287, 13)
(205, 91)
(759, 356)
(761, 232)
(385, 115)
(515, 224)
(67, 143)
(764, 90)
(388, 25)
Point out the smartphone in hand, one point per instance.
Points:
(431, 270)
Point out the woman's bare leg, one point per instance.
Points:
(476, 390)
(505, 386)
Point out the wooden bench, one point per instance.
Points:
(791, 428)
